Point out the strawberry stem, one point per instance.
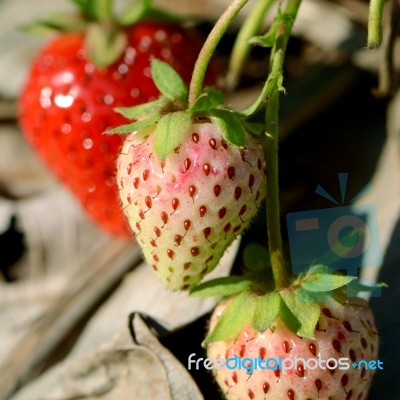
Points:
(242, 47)
(200, 68)
(103, 10)
(272, 90)
(375, 23)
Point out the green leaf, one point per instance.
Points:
(134, 12)
(256, 257)
(135, 126)
(170, 131)
(222, 287)
(325, 282)
(266, 311)
(209, 99)
(230, 125)
(232, 321)
(104, 46)
(307, 313)
(256, 128)
(141, 111)
(167, 80)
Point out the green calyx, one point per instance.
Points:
(105, 39)
(171, 115)
(254, 304)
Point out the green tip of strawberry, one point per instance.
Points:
(298, 305)
(172, 115)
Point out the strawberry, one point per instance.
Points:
(309, 340)
(68, 101)
(186, 186)
(186, 209)
(343, 331)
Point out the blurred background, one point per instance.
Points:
(67, 288)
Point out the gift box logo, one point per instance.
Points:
(345, 237)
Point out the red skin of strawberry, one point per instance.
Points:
(343, 331)
(67, 104)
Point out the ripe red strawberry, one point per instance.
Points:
(68, 101)
(186, 209)
(344, 331)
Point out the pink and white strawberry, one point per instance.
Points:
(190, 178)
(344, 331)
(186, 209)
(308, 340)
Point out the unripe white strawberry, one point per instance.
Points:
(344, 331)
(186, 209)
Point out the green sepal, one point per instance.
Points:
(80, 3)
(56, 23)
(170, 130)
(266, 311)
(287, 317)
(222, 287)
(135, 12)
(95, 10)
(230, 125)
(256, 128)
(325, 282)
(357, 287)
(104, 45)
(141, 111)
(314, 297)
(134, 127)
(306, 313)
(158, 14)
(230, 324)
(209, 99)
(168, 81)
(256, 257)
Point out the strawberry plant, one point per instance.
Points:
(189, 167)
(97, 61)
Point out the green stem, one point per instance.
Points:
(242, 48)
(375, 23)
(272, 91)
(103, 10)
(279, 269)
(220, 27)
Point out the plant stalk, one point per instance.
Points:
(241, 48)
(272, 90)
(375, 23)
(200, 68)
(103, 10)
